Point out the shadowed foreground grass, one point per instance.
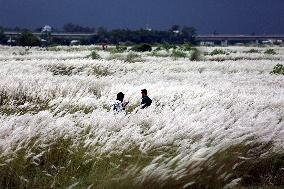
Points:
(255, 166)
(62, 163)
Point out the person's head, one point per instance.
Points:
(120, 96)
(144, 92)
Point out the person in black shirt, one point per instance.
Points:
(146, 101)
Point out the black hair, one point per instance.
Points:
(144, 91)
(120, 96)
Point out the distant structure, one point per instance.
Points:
(207, 43)
(46, 35)
(224, 40)
(11, 41)
(46, 29)
(148, 28)
(176, 31)
(75, 42)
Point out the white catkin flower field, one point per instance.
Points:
(217, 122)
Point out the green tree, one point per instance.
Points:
(188, 34)
(28, 39)
(175, 28)
(103, 35)
(3, 37)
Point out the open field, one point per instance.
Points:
(216, 122)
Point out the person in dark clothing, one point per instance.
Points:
(146, 101)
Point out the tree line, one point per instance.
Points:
(174, 35)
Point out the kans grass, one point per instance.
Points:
(215, 122)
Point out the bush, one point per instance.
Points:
(159, 48)
(115, 56)
(3, 37)
(178, 54)
(28, 39)
(278, 69)
(270, 51)
(121, 48)
(118, 49)
(94, 55)
(132, 57)
(61, 69)
(142, 48)
(165, 46)
(186, 47)
(252, 51)
(53, 48)
(195, 54)
(218, 52)
(156, 53)
(168, 46)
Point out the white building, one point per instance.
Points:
(46, 29)
(207, 43)
(75, 42)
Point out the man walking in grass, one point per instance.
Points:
(146, 101)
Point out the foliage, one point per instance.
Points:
(53, 48)
(61, 164)
(115, 56)
(188, 34)
(94, 55)
(270, 52)
(156, 53)
(218, 52)
(278, 69)
(178, 54)
(195, 54)
(3, 37)
(165, 46)
(61, 69)
(246, 163)
(168, 46)
(21, 104)
(132, 57)
(118, 49)
(174, 28)
(99, 71)
(125, 36)
(131, 107)
(186, 47)
(252, 51)
(142, 48)
(143, 36)
(60, 41)
(28, 39)
(64, 70)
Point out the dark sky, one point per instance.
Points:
(224, 16)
